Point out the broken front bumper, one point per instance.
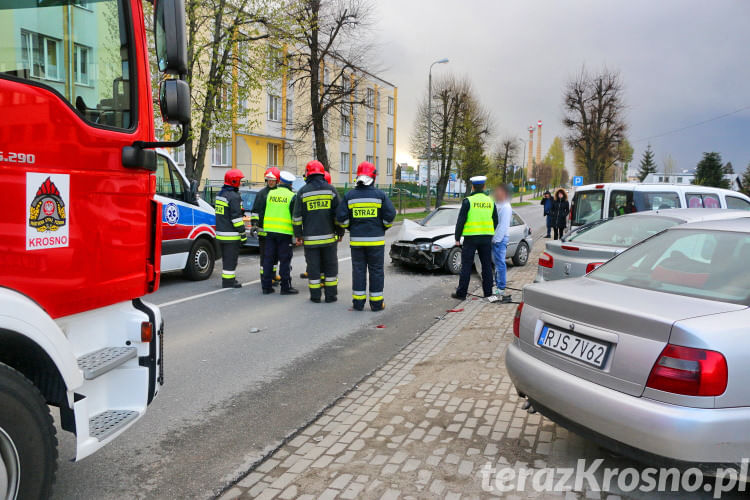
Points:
(425, 254)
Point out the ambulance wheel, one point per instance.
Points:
(201, 259)
(28, 444)
(453, 261)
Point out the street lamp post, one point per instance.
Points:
(523, 162)
(429, 132)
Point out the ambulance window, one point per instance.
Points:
(168, 180)
(80, 49)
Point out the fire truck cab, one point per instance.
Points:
(80, 227)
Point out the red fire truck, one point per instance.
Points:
(79, 226)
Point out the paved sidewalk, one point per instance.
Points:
(428, 423)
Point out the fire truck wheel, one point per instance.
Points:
(28, 444)
(200, 263)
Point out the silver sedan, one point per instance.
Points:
(591, 245)
(647, 354)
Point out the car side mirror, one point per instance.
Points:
(174, 102)
(193, 192)
(169, 28)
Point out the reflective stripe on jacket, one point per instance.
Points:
(229, 213)
(367, 212)
(315, 213)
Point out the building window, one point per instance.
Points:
(370, 131)
(42, 55)
(354, 122)
(273, 155)
(377, 133)
(354, 160)
(377, 164)
(81, 58)
(274, 108)
(289, 112)
(390, 136)
(389, 166)
(369, 158)
(679, 180)
(344, 163)
(221, 153)
(345, 125)
(390, 105)
(370, 98)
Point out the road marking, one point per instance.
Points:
(213, 292)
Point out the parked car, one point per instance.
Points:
(591, 245)
(646, 354)
(188, 222)
(601, 201)
(430, 242)
(248, 195)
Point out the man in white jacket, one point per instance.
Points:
(500, 239)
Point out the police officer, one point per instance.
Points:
(477, 221)
(276, 220)
(230, 229)
(367, 212)
(271, 176)
(315, 226)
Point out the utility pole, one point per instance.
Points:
(429, 131)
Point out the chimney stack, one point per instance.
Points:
(539, 142)
(530, 163)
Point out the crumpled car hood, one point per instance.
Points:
(411, 231)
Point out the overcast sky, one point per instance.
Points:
(682, 62)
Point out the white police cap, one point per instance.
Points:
(478, 179)
(287, 177)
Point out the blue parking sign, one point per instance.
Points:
(578, 180)
(533, 187)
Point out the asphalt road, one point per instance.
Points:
(232, 395)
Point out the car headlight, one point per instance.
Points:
(424, 246)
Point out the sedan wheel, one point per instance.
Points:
(522, 254)
(453, 261)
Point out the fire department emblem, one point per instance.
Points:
(47, 209)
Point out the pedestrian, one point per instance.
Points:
(276, 221)
(500, 239)
(315, 226)
(271, 177)
(476, 223)
(559, 212)
(367, 212)
(547, 204)
(230, 228)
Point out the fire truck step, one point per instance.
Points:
(108, 422)
(103, 360)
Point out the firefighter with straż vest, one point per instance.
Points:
(476, 222)
(276, 220)
(315, 227)
(367, 212)
(271, 177)
(230, 229)
(327, 177)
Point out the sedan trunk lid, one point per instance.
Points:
(635, 323)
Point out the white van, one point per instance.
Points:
(594, 202)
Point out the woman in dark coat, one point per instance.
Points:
(559, 212)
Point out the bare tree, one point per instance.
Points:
(504, 157)
(452, 97)
(472, 140)
(594, 116)
(328, 56)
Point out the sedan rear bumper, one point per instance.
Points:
(674, 432)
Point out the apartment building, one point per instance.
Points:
(265, 134)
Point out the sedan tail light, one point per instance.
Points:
(689, 371)
(546, 260)
(592, 265)
(517, 320)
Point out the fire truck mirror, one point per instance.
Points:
(171, 46)
(174, 101)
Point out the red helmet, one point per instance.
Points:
(272, 173)
(233, 177)
(327, 177)
(365, 171)
(314, 167)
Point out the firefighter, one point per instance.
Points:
(271, 176)
(477, 220)
(327, 177)
(367, 212)
(230, 229)
(276, 221)
(315, 227)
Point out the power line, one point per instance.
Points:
(669, 132)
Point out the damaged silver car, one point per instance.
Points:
(430, 243)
